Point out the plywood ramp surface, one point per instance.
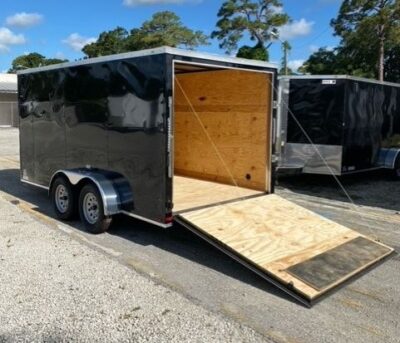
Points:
(190, 193)
(288, 242)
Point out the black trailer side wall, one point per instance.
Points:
(318, 107)
(108, 115)
(360, 116)
(371, 121)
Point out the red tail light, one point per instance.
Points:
(169, 218)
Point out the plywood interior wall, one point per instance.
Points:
(234, 108)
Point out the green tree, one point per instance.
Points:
(368, 29)
(164, 28)
(392, 65)
(339, 61)
(109, 42)
(286, 48)
(253, 53)
(258, 19)
(32, 60)
(321, 62)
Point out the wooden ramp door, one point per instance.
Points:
(299, 251)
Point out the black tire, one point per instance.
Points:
(91, 210)
(64, 199)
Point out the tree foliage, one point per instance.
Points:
(369, 46)
(286, 48)
(258, 19)
(164, 28)
(32, 60)
(321, 62)
(108, 43)
(253, 53)
(368, 30)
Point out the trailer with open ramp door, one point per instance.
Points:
(167, 135)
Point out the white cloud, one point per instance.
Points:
(295, 64)
(132, 3)
(277, 9)
(296, 29)
(60, 55)
(24, 19)
(77, 42)
(7, 38)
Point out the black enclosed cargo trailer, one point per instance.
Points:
(353, 122)
(165, 135)
(125, 117)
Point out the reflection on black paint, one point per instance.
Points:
(319, 109)
(109, 116)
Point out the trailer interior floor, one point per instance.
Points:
(190, 194)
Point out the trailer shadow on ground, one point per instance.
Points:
(176, 240)
(376, 189)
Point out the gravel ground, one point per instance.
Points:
(56, 289)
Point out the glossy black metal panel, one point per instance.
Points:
(137, 130)
(318, 106)
(372, 121)
(360, 116)
(86, 116)
(42, 128)
(25, 129)
(109, 116)
(48, 126)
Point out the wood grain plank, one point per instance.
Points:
(190, 193)
(235, 109)
(274, 234)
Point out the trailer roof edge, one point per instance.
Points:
(148, 52)
(346, 77)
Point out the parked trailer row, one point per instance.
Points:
(338, 125)
(168, 135)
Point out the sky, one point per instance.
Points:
(60, 29)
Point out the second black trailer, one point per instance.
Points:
(339, 124)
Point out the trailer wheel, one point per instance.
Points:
(63, 198)
(91, 210)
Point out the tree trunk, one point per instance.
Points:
(381, 59)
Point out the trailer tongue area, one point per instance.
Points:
(297, 250)
(222, 184)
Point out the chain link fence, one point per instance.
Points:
(8, 113)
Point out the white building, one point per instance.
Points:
(8, 100)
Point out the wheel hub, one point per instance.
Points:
(91, 208)
(62, 199)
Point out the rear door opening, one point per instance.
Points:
(222, 135)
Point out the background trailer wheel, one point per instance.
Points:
(63, 198)
(91, 210)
